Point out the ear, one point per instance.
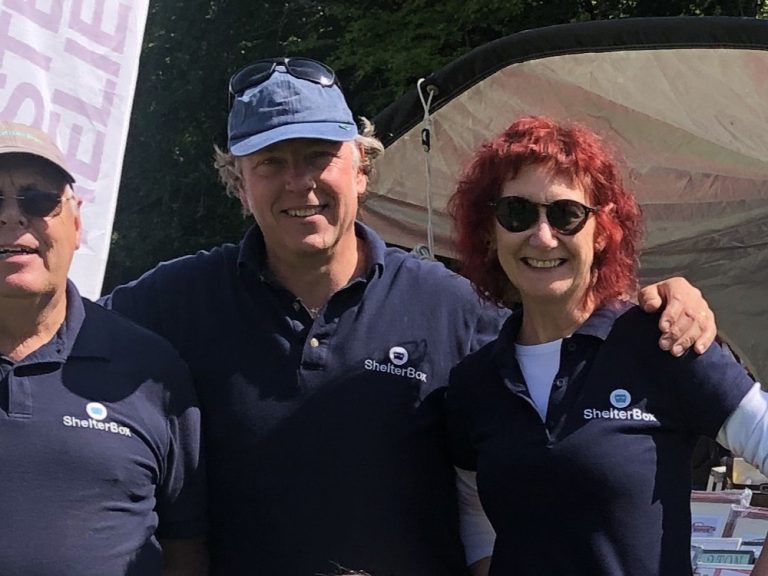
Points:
(601, 240)
(242, 195)
(78, 221)
(237, 181)
(602, 235)
(361, 183)
(361, 180)
(490, 243)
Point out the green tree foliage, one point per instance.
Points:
(387, 46)
(170, 202)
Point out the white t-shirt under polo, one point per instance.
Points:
(539, 364)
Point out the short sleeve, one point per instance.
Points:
(143, 300)
(709, 388)
(181, 504)
(489, 323)
(458, 407)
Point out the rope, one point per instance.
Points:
(426, 144)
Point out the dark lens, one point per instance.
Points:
(251, 75)
(311, 70)
(516, 214)
(39, 203)
(567, 216)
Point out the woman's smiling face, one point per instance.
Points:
(544, 265)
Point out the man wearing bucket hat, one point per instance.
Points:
(321, 355)
(99, 428)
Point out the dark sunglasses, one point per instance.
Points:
(518, 214)
(260, 71)
(38, 203)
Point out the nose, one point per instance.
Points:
(542, 235)
(300, 177)
(10, 212)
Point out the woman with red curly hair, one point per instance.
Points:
(576, 428)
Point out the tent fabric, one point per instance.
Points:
(682, 101)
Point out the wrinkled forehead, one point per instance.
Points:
(26, 168)
(300, 144)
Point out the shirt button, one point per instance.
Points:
(314, 342)
(560, 382)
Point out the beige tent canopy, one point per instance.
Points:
(683, 100)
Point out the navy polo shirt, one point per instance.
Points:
(99, 437)
(324, 437)
(603, 487)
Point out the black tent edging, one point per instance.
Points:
(680, 32)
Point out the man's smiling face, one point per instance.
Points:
(35, 251)
(303, 194)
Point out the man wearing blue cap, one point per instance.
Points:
(319, 353)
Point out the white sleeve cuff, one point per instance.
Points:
(745, 432)
(476, 531)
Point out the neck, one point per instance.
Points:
(547, 322)
(28, 324)
(314, 278)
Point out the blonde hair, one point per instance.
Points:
(368, 146)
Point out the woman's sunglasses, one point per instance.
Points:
(38, 203)
(260, 71)
(518, 214)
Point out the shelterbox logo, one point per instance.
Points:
(97, 413)
(619, 399)
(398, 357)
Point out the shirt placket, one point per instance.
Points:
(317, 348)
(575, 359)
(19, 396)
(514, 381)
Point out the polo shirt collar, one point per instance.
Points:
(253, 251)
(85, 339)
(599, 324)
(376, 246)
(58, 348)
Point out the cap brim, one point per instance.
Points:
(52, 161)
(334, 131)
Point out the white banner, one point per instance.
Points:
(69, 67)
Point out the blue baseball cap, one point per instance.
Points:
(285, 107)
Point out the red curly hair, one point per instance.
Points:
(568, 151)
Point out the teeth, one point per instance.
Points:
(543, 263)
(304, 212)
(16, 251)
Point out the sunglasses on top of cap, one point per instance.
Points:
(36, 203)
(261, 70)
(518, 214)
